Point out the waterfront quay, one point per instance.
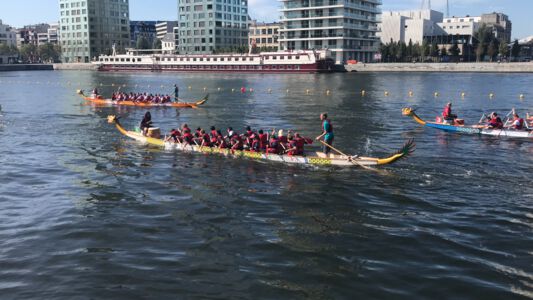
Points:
(479, 67)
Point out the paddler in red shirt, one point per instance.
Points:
(447, 113)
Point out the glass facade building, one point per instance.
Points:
(89, 28)
(345, 27)
(207, 26)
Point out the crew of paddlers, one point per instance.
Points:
(141, 97)
(251, 140)
(493, 121)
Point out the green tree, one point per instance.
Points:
(416, 51)
(13, 50)
(157, 44)
(515, 50)
(434, 52)
(504, 50)
(29, 53)
(485, 37)
(454, 50)
(142, 43)
(48, 53)
(480, 52)
(402, 50)
(410, 49)
(4, 49)
(492, 50)
(425, 50)
(384, 49)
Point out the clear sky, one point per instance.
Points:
(21, 12)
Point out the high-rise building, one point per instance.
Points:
(92, 27)
(142, 29)
(207, 26)
(501, 25)
(345, 27)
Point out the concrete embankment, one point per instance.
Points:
(28, 67)
(443, 67)
(75, 66)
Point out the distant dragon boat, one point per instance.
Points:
(103, 101)
(473, 129)
(309, 159)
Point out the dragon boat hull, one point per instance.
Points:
(109, 102)
(474, 130)
(310, 159)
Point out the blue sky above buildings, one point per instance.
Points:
(22, 12)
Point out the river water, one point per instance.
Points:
(86, 213)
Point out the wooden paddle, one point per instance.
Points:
(349, 157)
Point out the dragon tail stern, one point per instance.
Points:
(203, 101)
(404, 152)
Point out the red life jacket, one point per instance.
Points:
(222, 144)
(520, 124)
(206, 140)
(293, 144)
(273, 147)
(446, 112)
(187, 137)
(300, 142)
(256, 146)
(496, 123)
(263, 141)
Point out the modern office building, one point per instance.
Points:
(163, 28)
(411, 25)
(501, 25)
(265, 35)
(345, 27)
(7, 35)
(92, 27)
(144, 29)
(206, 26)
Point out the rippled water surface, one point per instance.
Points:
(86, 213)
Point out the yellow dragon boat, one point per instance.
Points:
(311, 158)
(110, 102)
